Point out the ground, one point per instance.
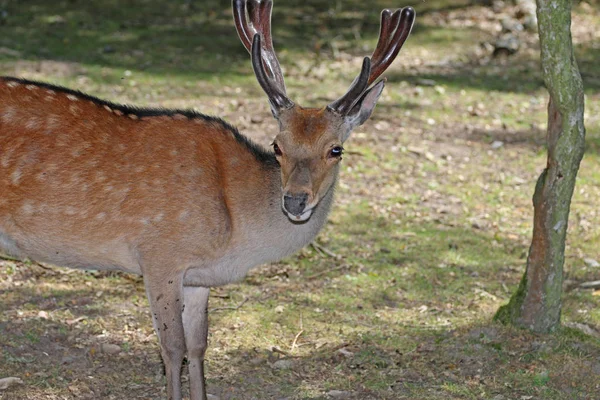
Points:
(428, 236)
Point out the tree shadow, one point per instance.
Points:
(182, 37)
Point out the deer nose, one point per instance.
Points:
(295, 203)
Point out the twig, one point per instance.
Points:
(7, 258)
(295, 340)
(297, 335)
(318, 274)
(42, 266)
(322, 249)
(590, 285)
(339, 346)
(275, 349)
(230, 307)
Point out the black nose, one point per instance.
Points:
(295, 203)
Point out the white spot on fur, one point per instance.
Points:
(31, 87)
(27, 208)
(8, 114)
(15, 177)
(72, 97)
(12, 84)
(100, 177)
(6, 158)
(33, 123)
(133, 116)
(49, 98)
(50, 92)
(70, 210)
(107, 108)
(52, 122)
(184, 215)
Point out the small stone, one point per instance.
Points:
(345, 353)
(279, 309)
(496, 144)
(43, 314)
(283, 364)
(590, 262)
(506, 44)
(67, 360)
(518, 181)
(426, 82)
(338, 394)
(110, 348)
(5, 383)
(511, 25)
(530, 23)
(382, 126)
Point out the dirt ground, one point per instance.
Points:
(427, 239)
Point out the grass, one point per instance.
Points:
(430, 229)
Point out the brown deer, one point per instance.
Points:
(182, 198)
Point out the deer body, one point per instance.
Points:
(181, 198)
(105, 187)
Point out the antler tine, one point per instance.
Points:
(241, 24)
(276, 95)
(264, 22)
(360, 84)
(384, 32)
(395, 28)
(259, 15)
(387, 49)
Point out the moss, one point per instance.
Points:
(508, 313)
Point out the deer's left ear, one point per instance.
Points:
(362, 110)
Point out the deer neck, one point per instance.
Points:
(271, 231)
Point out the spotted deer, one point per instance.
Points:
(179, 197)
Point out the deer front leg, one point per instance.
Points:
(195, 326)
(165, 294)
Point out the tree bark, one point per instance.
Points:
(536, 305)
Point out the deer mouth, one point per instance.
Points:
(304, 216)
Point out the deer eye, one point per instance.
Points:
(276, 149)
(336, 152)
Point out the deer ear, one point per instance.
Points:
(362, 110)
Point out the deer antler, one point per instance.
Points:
(395, 28)
(253, 17)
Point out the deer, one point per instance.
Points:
(181, 198)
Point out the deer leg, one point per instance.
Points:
(165, 294)
(195, 326)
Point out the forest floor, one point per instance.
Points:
(428, 236)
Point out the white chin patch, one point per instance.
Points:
(300, 218)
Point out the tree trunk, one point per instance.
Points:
(537, 303)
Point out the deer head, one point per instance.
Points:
(309, 145)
